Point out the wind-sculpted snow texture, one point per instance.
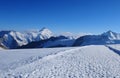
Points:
(95, 61)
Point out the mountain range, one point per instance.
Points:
(44, 38)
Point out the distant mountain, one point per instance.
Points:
(42, 34)
(44, 38)
(112, 35)
(108, 37)
(13, 39)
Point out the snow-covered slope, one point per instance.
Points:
(42, 34)
(45, 34)
(13, 39)
(1, 48)
(78, 62)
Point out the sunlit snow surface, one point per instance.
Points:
(95, 61)
(1, 48)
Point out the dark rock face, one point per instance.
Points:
(79, 41)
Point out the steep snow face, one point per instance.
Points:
(31, 35)
(112, 35)
(44, 34)
(19, 38)
(14, 39)
(78, 62)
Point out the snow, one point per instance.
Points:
(46, 33)
(1, 48)
(115, 46)
(112, 35)
(19, 38)
(95, 61)
(13, 39)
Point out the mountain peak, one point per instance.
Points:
(46, 33)
(112, 35)
(110, 31)
(44, 28)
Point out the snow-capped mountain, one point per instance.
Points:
(42, 34)
(13, 39)
(112, 35)
(108, 37)
(46, 33)
(45, 38)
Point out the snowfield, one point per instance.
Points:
(1, 48)
(94, 61)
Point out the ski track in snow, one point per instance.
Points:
(79, 62)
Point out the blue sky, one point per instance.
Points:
(90, 16)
